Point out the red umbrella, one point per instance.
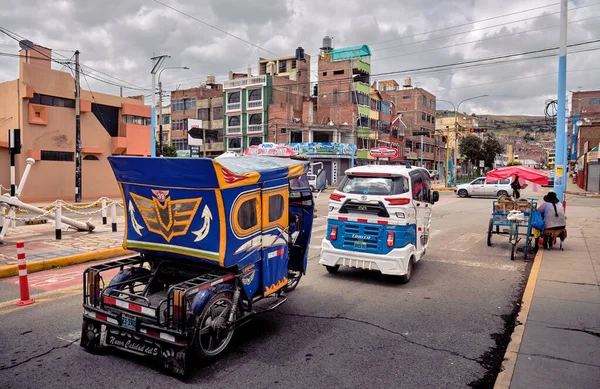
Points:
(524, 173)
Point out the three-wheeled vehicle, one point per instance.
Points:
(218, 241)
(379, 219)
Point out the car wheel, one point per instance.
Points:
(502, 193)
(406, 278)
(312, 188)
(463, 193)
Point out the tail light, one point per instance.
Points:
(93, 287)
(336, 197)
(333, 233)
(397, 201)
(390, 239)
(178, 306)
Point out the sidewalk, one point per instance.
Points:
(556, 343)
(43, 251)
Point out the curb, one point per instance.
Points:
(32, 267)
(583, 194)
(507, 369)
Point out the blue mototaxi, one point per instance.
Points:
(214, 237)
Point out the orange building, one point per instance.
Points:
(41, 102)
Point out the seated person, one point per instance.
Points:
(294, 225)
(555, 220)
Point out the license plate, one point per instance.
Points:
(360, 245)
(129, 322)
(132, 343)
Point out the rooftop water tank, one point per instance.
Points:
(327, 43)
(300, 54)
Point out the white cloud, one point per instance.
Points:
(119, 37)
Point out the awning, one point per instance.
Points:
(524, 173)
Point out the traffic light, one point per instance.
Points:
(478, 129)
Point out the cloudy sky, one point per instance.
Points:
(118, 37)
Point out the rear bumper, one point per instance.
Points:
(394, 263)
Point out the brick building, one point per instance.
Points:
(417, 107)
(585, 108)
(204, 102)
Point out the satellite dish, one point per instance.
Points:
(26, 44)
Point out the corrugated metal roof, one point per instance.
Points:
(350, 52)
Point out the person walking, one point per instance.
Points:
(516, 187)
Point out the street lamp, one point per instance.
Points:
(456, 107)
(160, 122)
(156, 62)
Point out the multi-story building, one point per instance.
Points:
(41, 103)
(417, 107)
(258, 107)
(585, 109)
(166, 124)
(205, 103)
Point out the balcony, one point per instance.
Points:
(363, 110)
(233, 107)
(361, 87)
(245, 82)
(234, 130)
(254, 104)
(255, 129)
(362, 66)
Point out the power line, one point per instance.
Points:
(216, 28)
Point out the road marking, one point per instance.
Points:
(465, 242)
(473, 264)
(507, 370)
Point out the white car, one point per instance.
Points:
(478, 187)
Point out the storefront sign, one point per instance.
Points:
(323, 149)
(270, 149)
(383, 152)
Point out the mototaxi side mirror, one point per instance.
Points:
(435, 197)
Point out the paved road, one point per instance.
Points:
(352, 329)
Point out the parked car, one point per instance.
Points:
(434, 174)
(478, 187)
(312, 181)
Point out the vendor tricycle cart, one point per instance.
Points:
(512, 218)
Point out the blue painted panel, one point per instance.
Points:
(370, 238)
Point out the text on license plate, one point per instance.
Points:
(129, 321)
(360, 245)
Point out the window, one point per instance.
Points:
(108, 117)
(166, 118)
(184, 104)
(247, 217)
(180, 144)
(506, 181)
(130, 119)
(234, 121)
(255, 141)
(276, 207)
(52, 101)
(217, 113)
(377, 186)
(406, 97)
(362, 98)
(255, 119)
(294, 64)
(423, 116)
(177, 105)
(425, 101)
(90, 158)
(421, 184)
(179, 125)
(429, 118)
(63, 156)
(479, 181)
(595, 101)
(324, 73)
(338, 72)
(299, 182)
(234, 143)
(204, 114)
(233, 97)
(255, 95)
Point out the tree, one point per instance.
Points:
(169, 151)
(471, 148)
(490, 148)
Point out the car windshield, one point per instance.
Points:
(377, 186)
(300, 182)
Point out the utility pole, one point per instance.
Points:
(561, 134)
(77, 131)
(204, 141)
(160, 120)
(422, 146)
